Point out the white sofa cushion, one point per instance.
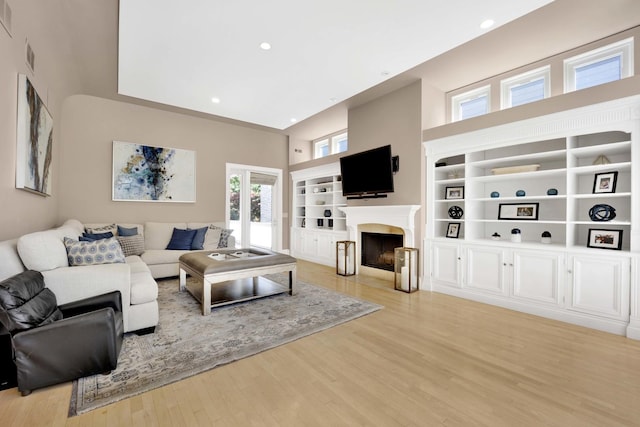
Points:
(76, 283)
(10, 262)
(44, 250)
(143, 288)
(157, 235)
(161, 256)
(75, 225)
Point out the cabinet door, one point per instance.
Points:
(485, 269)
(536, 276)
(327, 248)
(446, 264)
(309, 243)
(600, 286)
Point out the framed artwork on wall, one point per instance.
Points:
(143, 173)
(34, 135)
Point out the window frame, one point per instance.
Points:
(523, 78)
(318, 145)
(330, 141)
(458, 100)
(622, 48)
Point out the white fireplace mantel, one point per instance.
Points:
(401, 216)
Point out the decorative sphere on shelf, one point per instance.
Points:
(495, 194)
(455, 212)
(602, 212)
(520, 193)
(516, 235)
(546, 237)
(552, 192)
(327, 213)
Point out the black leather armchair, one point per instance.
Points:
(54, 344)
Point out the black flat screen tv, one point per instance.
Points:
(367, 174)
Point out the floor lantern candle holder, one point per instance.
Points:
(406, 269)
(346, 257)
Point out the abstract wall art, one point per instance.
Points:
(153, 174)
(34, 140)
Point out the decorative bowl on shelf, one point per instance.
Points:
(515, 169)
(320, 202)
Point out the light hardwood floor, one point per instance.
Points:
(426, 359)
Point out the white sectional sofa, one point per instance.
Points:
(45, 251)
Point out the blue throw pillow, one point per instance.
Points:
(181, 239)
(96, 236)
(198, 239)
(122, 231)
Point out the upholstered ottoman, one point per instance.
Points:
(233, 275)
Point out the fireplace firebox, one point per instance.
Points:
(377, 249)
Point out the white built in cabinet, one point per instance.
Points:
(317, 222)
(566, 279)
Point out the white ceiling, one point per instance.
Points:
(323, 51)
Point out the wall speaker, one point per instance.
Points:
(395, 163)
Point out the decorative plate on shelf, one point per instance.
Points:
(515, 169)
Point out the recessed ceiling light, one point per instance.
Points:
(333, 99)
(215, 100)
(265, 46)
(293, 120)
(488, 23)
(384, 73)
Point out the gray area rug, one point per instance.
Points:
(186, 343)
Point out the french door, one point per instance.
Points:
(254, 205)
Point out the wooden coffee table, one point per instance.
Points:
(233, 275)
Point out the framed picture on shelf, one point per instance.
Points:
(605, 182)
(518, 211)
(604, 239)
(453, 230)
(454, 193)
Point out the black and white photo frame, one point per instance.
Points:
(605, 182)
(454, 193)
(453, 230)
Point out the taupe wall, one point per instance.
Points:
(91, 125)
(54, 79)
(392, 119)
